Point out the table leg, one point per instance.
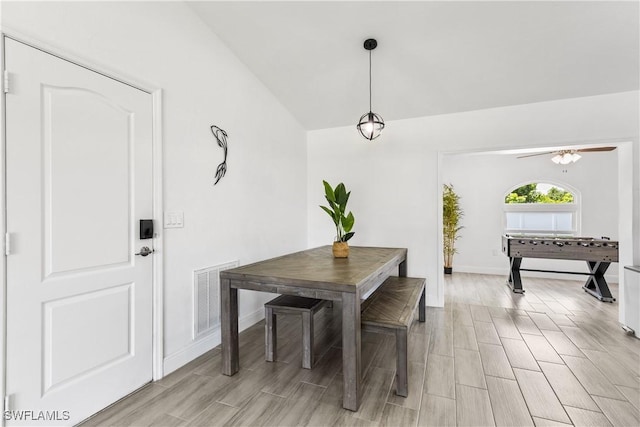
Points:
(351, 356)
(515, 282)
(229, 328)
(596, 284)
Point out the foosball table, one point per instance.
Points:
(598, 253)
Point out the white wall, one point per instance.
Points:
(482, 180)
(258, 210)
(396, 178)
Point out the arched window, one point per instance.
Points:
(542, 208)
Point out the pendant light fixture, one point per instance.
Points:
(370, 124)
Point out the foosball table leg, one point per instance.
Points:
(596, 284)
(515, 281)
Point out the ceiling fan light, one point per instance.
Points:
(370, 125)
(557, 159)
(575, 157)
(566, 159)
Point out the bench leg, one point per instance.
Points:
(402, 386)
(421, 307)
(270, 335)
(307, 339)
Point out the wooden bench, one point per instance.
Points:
(391, 310)
(291, 304)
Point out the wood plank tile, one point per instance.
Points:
(348, 419)
(480, 313)
(325, 369)
(630, 360)
(543, 322)
(494, 361)
(506, 328)
(398, 416)
(468, 368)
(498, 312)
(418, 347)
(541, 349)
(557, 307)
(539, 395)
(473, 300)
(297, 409)
(437, 411)
(285, 381)
(473, 407)
(440, 379)
(462, 315)
(246, 383)
(567, 387)
(526, 326)
(541, 422)
(179, 374)
(517, 311)
(612, 369)
(540, 307)
(581, 339)
(562, 344)
(486, 333)
(187, 398)
(507, 402)
(582, 417)
(561, 319)
(591, 378)
(329, 408)
(519, 354)
(260, 408)
(620, 413)
(375, 390)
(632, 395)
(464, 337)
(441, 342)
(216, 414)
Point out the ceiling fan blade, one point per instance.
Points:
(536, 154)
(586, 150)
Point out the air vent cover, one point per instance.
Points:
(206, 299)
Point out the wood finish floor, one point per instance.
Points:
(551, 357)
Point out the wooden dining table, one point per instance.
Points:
(313, 273)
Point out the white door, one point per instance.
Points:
(79, 178)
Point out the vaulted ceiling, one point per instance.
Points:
(432, 57)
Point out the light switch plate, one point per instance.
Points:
(174, 219)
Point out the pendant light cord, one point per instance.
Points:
(370, 109)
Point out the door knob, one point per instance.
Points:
(144, 251)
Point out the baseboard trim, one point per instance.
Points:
(206, 343)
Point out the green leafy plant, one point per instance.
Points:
(337, 199)
(529, 193)
(451, 215)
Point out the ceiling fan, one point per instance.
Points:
(564, 157)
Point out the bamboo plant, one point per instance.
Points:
(451, 216)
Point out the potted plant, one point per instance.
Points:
(337, 199)
(451, 215)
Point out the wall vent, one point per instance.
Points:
(206, 299)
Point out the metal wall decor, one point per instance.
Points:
(221, 137)
(370, 124)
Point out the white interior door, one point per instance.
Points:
(79, 178)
